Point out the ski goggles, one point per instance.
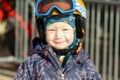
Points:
(44, 7)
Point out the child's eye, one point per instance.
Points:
(51, 30)
(65, 29)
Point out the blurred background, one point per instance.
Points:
(102, 42)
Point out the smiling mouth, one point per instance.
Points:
(59, 42)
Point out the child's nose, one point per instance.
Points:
(59, 34)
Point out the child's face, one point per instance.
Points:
(59, 35)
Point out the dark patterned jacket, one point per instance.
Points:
(42, 65)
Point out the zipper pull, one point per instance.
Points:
(61, 74)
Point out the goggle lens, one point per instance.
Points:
(44, 7)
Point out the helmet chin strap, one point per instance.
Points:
(65, 55)
(64, 51)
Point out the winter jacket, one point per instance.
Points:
(42, 65)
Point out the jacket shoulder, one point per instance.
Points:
(87, 67)
(30, 67)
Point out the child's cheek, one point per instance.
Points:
(69, 36)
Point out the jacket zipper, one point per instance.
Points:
(53, 60)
